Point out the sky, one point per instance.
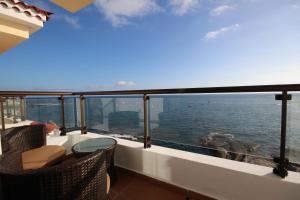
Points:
(146, 44)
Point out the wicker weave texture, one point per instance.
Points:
(84, 179)
(23, 138)
(109, 153)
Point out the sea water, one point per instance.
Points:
(180, 121)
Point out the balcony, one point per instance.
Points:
(155, 161)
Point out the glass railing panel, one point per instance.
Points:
(2, 114)
(71, 114)
(8, 111)
(43, 109)
(17, 109)
(242, 127)
(117, 116)
(293, 133)
(8, 107)
(4, 108)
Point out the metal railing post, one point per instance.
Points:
(114, 104)
(22, 108)
(147, 139)
(282, 162)
(75, 111)
(2, 113)
(8, 111)
(62, 112)
(14, 111)
(82, 115)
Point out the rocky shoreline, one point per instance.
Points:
(226, 146)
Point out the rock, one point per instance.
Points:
(222, 153)
(227, 147)
(261, 161)
(122, 136)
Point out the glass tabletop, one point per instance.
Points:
(92, 145)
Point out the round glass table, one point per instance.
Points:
(107, 145)
(91, 145)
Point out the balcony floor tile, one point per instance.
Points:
(132, 186)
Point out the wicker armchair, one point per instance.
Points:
(110, 161)
(81, 179)
(23, 138)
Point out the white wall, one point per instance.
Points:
(214, 177)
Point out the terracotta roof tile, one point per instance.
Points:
(24, 5)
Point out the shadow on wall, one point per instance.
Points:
(130, 158)
(228, 184)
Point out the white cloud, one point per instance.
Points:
(125, 83)
(216, 33)
(74, 22)
(181, 7)
(94, 87)
(221, 9)
(101, 87)
(118, 12)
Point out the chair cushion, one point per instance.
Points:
(42, 157)
(49, 126)
(107, 183)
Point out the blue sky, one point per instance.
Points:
(143, 44)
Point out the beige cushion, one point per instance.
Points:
(107, 183)
(42, 157)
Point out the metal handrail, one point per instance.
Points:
(230, 89)
(32, 93)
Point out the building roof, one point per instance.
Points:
(31, 10)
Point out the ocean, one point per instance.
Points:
(248, 123)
